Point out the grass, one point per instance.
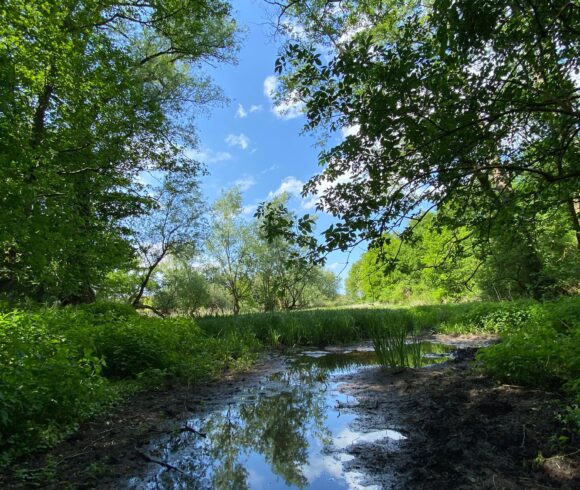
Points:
(61, 366)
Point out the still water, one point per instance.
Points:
(292, 430)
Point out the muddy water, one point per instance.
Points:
(293, 429)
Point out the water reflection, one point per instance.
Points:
(289, 431)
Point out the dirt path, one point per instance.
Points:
(463, 431)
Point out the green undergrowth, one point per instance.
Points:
(540, 344)
(61, 366)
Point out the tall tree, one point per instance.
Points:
(472, 106)
(174, 227)
(230, 247)
(93, 92)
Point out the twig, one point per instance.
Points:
(146, 457)
(192, 430)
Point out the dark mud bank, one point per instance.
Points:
(463, 430)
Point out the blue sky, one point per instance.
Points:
(249, 142)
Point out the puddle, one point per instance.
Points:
(293, 429)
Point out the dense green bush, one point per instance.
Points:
(542, 348)
(59, 366)
(46, 383)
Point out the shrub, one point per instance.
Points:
(60, 366)
(46, 383)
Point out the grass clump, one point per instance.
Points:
(396, 341)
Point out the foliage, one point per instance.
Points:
(539, 345)
(286, 277)
(173, 227)
(258, 270)
(230, 246)
(183, 290)
(395, 342)
(60, 366)
(94, 94)
(467, 106)
(47, 383)
(424, 268)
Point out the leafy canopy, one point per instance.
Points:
(468, 105)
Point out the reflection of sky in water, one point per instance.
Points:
(288, 432)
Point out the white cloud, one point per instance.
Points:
(290, 107)
(289, 185)
(245, 183)
(256, 108)
(208, 155)
(271, 168)
(270, 86)
(241, 112)
(240, 140)
(350, 130)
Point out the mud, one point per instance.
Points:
(440, 427)
(462, 430)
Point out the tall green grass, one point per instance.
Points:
(540, 341)
(323, 327)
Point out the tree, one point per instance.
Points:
(230, 247)
(471, 106)
(174, 228)
(183, 290)
(92, 94)
(288, 274)
(427, 267)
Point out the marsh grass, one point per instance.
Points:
(396, 340)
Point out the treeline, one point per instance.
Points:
(230, 266)
(436, 263)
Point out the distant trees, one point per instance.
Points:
(230, 248)
(183, 290)
(426, 268)
(267, 274)
(439, 264)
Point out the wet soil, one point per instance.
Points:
(463, 431)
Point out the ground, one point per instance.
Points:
(463, 431)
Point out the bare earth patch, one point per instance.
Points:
(463, 431)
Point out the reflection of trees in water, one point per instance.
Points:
(336, 362)
(278, 424)
(276, 421)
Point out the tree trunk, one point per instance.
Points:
(572, 208)
(136, 302)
